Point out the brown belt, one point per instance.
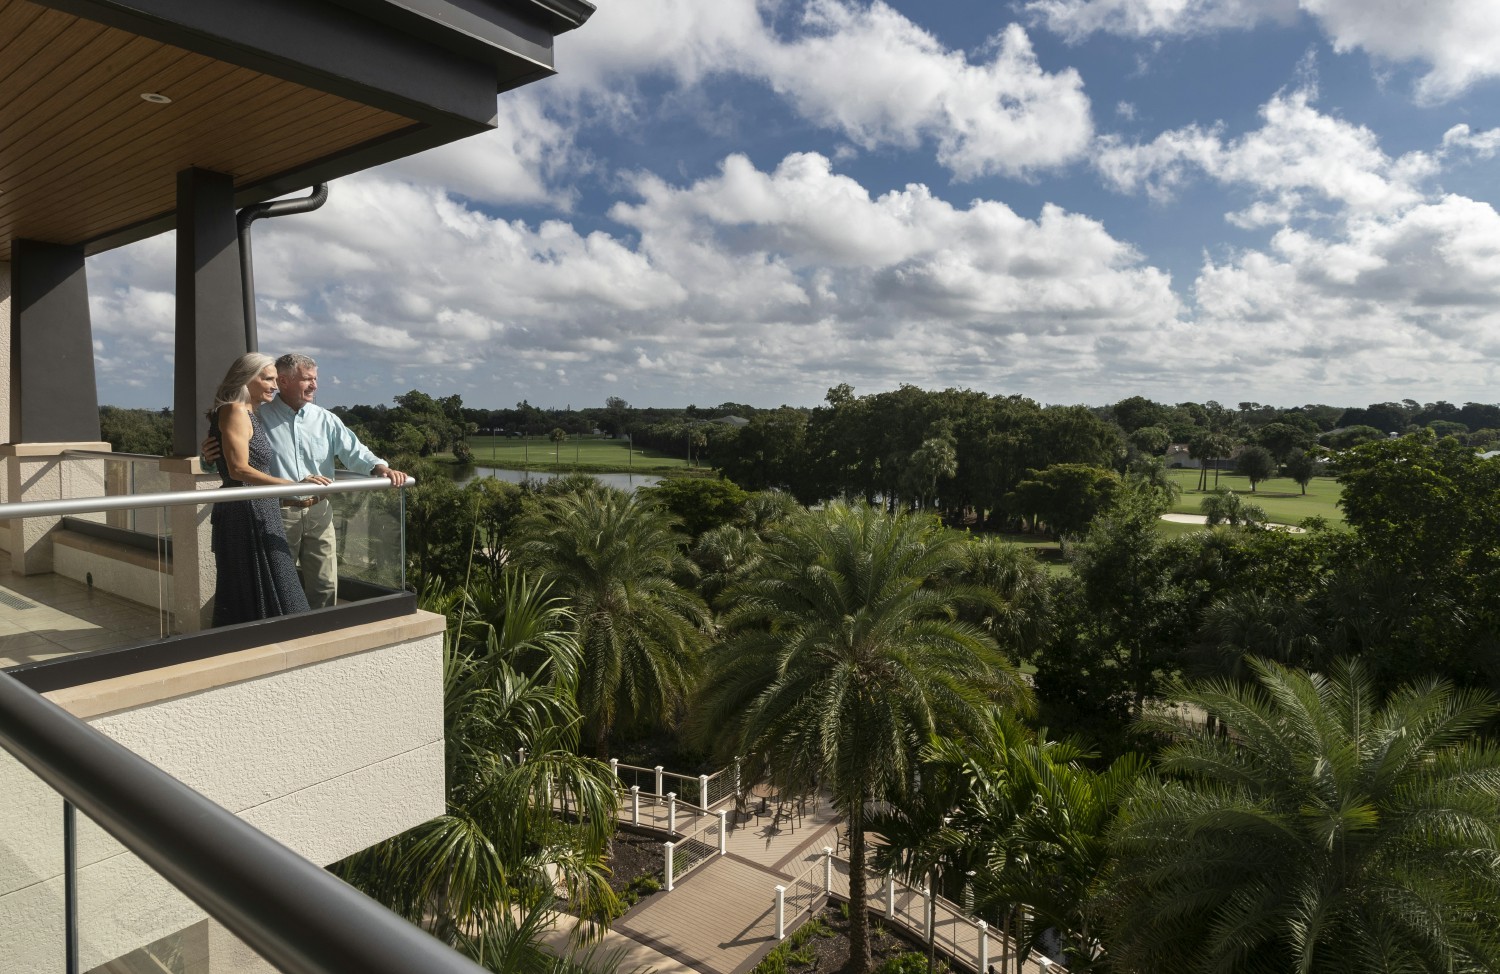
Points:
(303, 502)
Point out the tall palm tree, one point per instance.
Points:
(1324, 832)
(510, 671)
(842, 656)
(614, 556)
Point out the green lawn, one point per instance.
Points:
(1280, 497)
(587, 453)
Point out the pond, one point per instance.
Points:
(622, 481)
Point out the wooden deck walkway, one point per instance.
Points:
(720, 918)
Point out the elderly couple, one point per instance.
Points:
(267, 439)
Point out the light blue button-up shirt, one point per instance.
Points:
(307, 440)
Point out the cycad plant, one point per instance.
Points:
(1323, 831)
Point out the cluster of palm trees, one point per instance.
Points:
(869, 655)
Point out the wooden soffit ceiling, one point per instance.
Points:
(82, 155)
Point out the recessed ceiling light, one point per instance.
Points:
(155, 98)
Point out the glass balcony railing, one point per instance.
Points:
(110, 865)
(127, 561)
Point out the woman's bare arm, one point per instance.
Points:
(234, 438)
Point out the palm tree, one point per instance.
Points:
(1021, 620)
(842, 655)
(614, 556)
(1324, 832)
(510, 671)
(1228, 507)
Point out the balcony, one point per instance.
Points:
(323, 729)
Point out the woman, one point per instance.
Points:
(257, 575)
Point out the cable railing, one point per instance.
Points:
(296, 916)
(806, 892)
(967, 941)
(696, 848)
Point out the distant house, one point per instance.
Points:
(735, 421)
(1178, 455)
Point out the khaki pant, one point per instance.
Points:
(309, 533)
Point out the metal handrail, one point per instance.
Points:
(300, 918)
(182, 498)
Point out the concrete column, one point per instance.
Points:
(53, 397)
(194, 574)
(210, 313)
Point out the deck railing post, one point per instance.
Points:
(828, 869)
(658, 784)
(671, 813)
(781, 913)
(614, 765)
(635, 804)
(703, 792)
(520, 755)
(928, 902)
(984, 945)
(667, 852)
(890, 893)
(723, 832)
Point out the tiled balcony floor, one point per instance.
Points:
(46, 616)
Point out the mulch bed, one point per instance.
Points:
(633, 855)
(832, 953)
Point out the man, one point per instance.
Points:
(306, 439)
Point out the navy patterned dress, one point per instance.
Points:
(257, 574)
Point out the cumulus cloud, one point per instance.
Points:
(863, 70)
(777, 283)
(529, 158)
(1459, 40)
(1298, 160)
(1407, 301)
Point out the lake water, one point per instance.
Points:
(623, 481)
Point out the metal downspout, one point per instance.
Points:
(249, 215)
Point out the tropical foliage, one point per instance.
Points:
(842, 653)
(615, 557)
(488, 869)
(1325, 831)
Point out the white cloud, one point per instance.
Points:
(528, 159)
(1077, 19)
(1484, 145)
(1459, 40)
(863, 70)
(1297, 160)
(1407, 302)
(777, 284)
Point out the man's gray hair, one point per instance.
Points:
(288, 364)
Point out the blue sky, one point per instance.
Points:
(1284, 201)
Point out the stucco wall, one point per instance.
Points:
(328, 758)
